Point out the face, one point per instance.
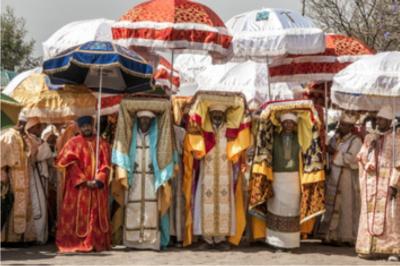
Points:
(87, 130)
(36, 130)
(144, 123)
(345, 128)
(383, 124)
(288, 126)
(217, 117)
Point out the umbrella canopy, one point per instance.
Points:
(10, 109)
(369, 83)
(52, 104)
(77, 33)
(248, 78)
(340, 52)
(266, 32)
(173, 24)
(122, 70)
(189, 67)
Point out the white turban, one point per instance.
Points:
(289, 116)
(145, 114)
(386, 112)
(48, 131)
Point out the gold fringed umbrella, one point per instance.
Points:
(53, 105)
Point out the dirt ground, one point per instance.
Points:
(309, 254)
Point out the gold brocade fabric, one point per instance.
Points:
(179, 104)
(311, 170)
(53, 106)
(195, 149)
(19, 226)
(235, 103)
(127, 115)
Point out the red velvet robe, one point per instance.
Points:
(83, 223)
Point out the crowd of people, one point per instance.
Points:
(206, 172)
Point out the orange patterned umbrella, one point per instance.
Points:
(340, 52)
(180, 25)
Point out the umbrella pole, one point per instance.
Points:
(172, 71)
(98, 119)
(268, 79)
(326, 117)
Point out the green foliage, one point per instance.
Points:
(15, 51)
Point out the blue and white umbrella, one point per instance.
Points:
(102, 66)
(122, 70)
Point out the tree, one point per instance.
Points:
(375, 22)
(15, 51)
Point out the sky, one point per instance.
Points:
(44, 17)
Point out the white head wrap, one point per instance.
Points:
(48, 131)
(288, 116)
(145, 114)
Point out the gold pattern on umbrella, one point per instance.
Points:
(56, 105)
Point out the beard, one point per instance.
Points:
(87, 133)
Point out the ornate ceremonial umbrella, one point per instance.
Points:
(340, 52)
(262, 34)
(179, 26)
(77, 33)
(52, 104)
(102, 66)
(369, 83)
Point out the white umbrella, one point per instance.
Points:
(272, 32)
(267, 32)
(77, 33)
(189, 67)
(369, 83)
(249, 78)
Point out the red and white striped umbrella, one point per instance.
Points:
(177, 25)
(340, 52)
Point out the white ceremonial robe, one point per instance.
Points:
(141, 223)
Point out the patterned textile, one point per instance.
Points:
(342, 193)
(126, 120)
(379, 229)
(200, 139)
(179, 104)
(173, 24)
(311, 170)
(19, 226)
(283, 223)
(216, 200)
(83, 224)
(237, 118)
(340, 52)
(53, 106)
(141, 225)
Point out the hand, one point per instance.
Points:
(392, 193)
(370, 167)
